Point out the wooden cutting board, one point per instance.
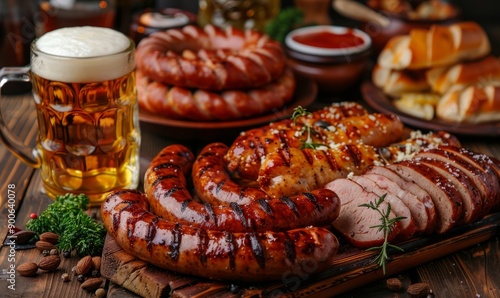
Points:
(349, 269)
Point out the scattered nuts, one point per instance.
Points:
(84, 265)
(23, 237)
(99, 293)
(27, 269)
(54, 251)
(49, 237)
(91, 284)
(96, 262)
(418, 290)
(74, 271)
(80, 278)
(394, 284)
(44, 245)
(65, 277)
(49, 263)
(45, 253)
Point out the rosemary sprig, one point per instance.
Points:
(308, 143)
(387, 226)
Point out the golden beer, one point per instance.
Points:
(87, 112)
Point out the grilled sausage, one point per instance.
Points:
(212, 254)
(247, 151)
(245, 154)
(214, 185)
(210, 58)
(166, 188)
(290, 170)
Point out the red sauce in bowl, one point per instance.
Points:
(329, 40)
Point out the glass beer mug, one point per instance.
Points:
(87, 112)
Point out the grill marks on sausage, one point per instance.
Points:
(257, 249)
(203, 244)
(290, 252)
(231, 247)
(152, 228)
(265, 206)
(239, 213)
(291, 205)
(176, 242)
(211, 214)
(313, 199)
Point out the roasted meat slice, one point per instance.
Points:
(445, 196)
(384, 176)
(355, 222)
(408, 226)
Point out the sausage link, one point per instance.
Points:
(292, 170)
(167, 192)
(213, 183)
(212, 254)
(249, 149)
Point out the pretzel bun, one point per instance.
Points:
(438, 46)
(485, 71)
(397, 82)
(210, 58)
(473, 104)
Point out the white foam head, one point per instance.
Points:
(82, 54)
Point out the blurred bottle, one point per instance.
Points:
(17, 31)
(69, 13)
(148, 21)
(126, 10)
(243, 14)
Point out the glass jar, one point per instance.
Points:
(243, 14)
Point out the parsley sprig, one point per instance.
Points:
(76, 230)
(308, 143)
(387, 226)
(287, 20)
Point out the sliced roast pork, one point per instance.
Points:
(421, 194)
(356, 222)
(417, 208)
(444, 194)
(471, 197)
(483, 162)
(408, 226)
(485, 183)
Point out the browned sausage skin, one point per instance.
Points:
(166, 189)
(213, 183)
(212, 254)
(249, 149)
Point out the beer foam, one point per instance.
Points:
(82, 54)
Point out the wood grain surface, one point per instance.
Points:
(467, 270)
(349, 269)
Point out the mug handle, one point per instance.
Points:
(14, 144)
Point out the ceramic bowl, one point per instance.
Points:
(335, 65)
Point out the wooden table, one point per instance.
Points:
(471, 272)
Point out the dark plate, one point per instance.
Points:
(382, 103)
(305, 94)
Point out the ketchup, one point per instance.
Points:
(329, 40)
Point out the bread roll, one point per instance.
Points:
(396, 82)
(484, 71)
(438, 46)
(473, 104)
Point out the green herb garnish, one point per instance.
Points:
(387, 226)
(76, 230)
(308, 143)
(287, 20)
